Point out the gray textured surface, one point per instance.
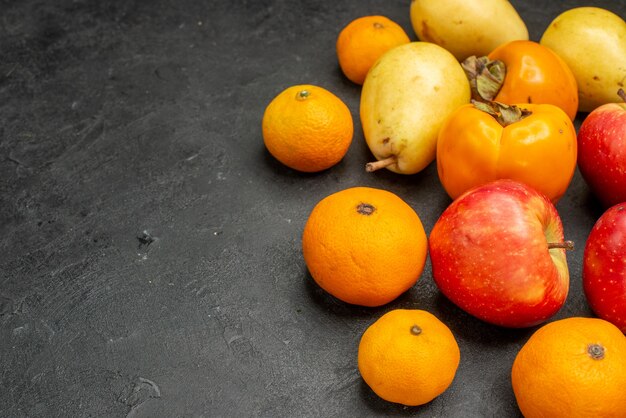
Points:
(150, 261)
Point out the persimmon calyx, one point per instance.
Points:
(485, 76)
(503, 113)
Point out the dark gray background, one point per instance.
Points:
(123, 117)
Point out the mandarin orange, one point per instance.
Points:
(365, 246)
(363, 41)
(307, 128)
(408, 356)
(573, 367)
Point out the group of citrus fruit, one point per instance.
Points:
(366, 246)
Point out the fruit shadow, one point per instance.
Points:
(466, 327)
(333, 306)
(330, 305)
(278, 168)
(284, 176)
(470, 329)
(381, 407)
(346, 87)
(593, 206)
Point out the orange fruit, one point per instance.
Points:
(574, 367)
(364, 246)
(307, 128)
(363, 41)
(408, 356)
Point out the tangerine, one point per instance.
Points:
(408, 356)
(573, 367)
(364, 246)
(307, 128)
(363, 41)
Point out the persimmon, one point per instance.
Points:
(523, 72)
(531, 143)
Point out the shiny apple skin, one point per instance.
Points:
(602, 152)
(490, 256)
(604, 266)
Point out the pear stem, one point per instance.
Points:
(377, 165)
(622, 94)
(568, 245)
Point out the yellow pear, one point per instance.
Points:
(406, 96)
(592, 41)
(467, 27)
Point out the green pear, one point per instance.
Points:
(592, 41)
(406, 96)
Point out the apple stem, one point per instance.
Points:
(568, 245)
(622, 94)
(377, 165)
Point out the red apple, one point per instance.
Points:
(602, 151)
(604, 266)
(498, 253)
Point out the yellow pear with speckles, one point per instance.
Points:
(406, 96)
(467, 27)
(592, 41)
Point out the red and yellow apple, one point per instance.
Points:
(602, 152)
(498, 252)
(604, 266)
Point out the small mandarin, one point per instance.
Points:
(573, 367)
(364, 246)
(363, 41)
(307, 128)
(408, 356)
